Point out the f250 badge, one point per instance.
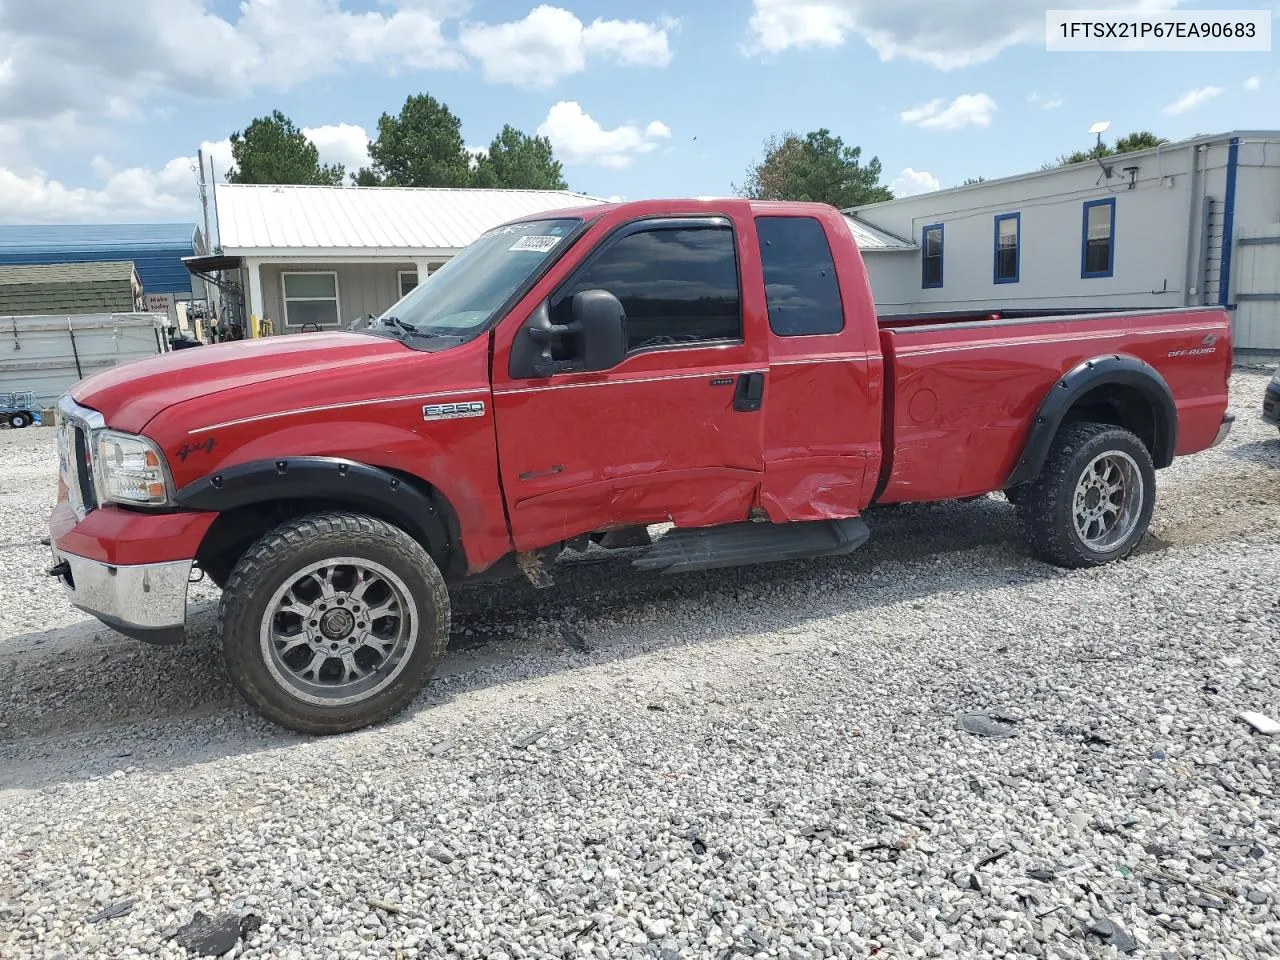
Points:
(453, 411)
(1208, 345)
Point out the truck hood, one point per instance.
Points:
(130, 395)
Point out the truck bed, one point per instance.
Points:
(961, 397)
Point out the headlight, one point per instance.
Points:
(130, 470)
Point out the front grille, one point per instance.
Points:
(75, 465)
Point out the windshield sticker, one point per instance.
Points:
(535, 243)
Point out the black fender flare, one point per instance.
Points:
(360, 485)
(1112, 369)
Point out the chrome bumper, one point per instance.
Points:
(1227, 420)
(146, 602)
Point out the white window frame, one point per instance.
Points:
(336, 298)
(400, 275)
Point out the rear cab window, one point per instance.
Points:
(801, 289)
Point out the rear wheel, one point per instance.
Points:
(333, 622)
(1092, 502)
(19, 420)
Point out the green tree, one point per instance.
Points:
(518, 161)
(1138, 140)
(420, 147)
(272, 150)
(364, 177)
(969, 180)
(818, 167)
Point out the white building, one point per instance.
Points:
(1141, 230)
(310, 257)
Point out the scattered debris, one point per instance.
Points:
(657, 708)
(530, 739)
(442, 747)
(210, 936)
(983, 725)
(574, 639)
(1205, 903)
(1260, 722)
(699, 848)
(249, 925)
(1042, 874)
(572, 740)
(113, 911)
(993, 857)
(1116, 935)
(1158, 851)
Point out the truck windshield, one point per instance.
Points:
(460, 298)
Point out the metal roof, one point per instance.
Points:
(156, 249)
(868, 237)
(298, 220)
(67, 272)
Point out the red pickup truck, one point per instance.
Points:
(582, 377)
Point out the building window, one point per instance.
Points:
(799, 277)
(931, 256)
(310, 299)
(1098, 241)
(1008, 242)
(408, 280)
(678, 285)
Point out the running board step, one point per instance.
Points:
(739, 544)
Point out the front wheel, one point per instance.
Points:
(1092, 502)
(333, 622)
(19, 420)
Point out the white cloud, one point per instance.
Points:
(1191, 99)
(1045, 103)
(966, 110)
(578, 138)
(550, 43)
(946, 34)
(1253, 83)
(344, 143)
(94, 57)
(130, 194)
(911, 182)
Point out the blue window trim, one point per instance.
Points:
(942, 256)
(1085, 274)
(1017, 248)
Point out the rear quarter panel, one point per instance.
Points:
(964, 397)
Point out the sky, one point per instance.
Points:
(103, 106)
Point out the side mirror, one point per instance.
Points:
(602, 329)
(595, 338)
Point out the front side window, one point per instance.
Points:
(931, 257)
(460, 297)
(310, 298)
(1097, 259)
(1008, 241)
(678, 285)
(799, 277)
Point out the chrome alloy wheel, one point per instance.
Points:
(1107, 503)
(338, 631)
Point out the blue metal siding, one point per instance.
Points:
(155, 249)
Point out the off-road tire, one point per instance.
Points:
(275, 558)
(19, 420)
(1046, 503)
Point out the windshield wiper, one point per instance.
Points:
(397, 322)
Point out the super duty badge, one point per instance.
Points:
(453, 411)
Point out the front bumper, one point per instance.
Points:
(1271, 404)
(143, 601)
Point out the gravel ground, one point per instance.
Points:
(760, 762)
